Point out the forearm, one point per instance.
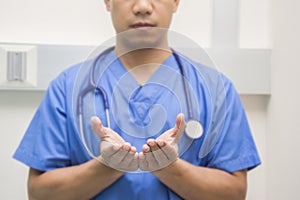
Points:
(192, 182)
(76, 182)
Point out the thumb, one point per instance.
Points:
(98, 127)
(179, 127)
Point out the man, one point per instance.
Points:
(61, 169)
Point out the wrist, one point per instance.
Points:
(106, 169)
(168, 168)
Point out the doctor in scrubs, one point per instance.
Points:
(134, 162)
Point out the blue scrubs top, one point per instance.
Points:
(137, 113)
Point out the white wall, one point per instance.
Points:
(256, 109)
(254, 24)
(16, 111)
(54, 22)
(284, 110)
(37, 21)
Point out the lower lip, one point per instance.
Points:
(143, 27)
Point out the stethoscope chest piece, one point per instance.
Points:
(194, 129)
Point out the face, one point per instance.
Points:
(141, 20)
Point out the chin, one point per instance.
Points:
(145, 37)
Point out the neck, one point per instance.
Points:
(143, 63)
(142, 57)
(134, 50)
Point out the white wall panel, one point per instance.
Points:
(254, 24)
(54, 22)
(194, 20)
(284, 109)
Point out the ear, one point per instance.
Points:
(107, 4)
(176, 4)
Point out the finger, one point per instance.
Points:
(133, 149)
(141, 155)
(150, 141)
(142, 162)
(170, 152)
(134, 165)
(146, 148)
(151, 160)
(153, 145)
(160, 157)
(180, 127)
(160, 143)
(127, 160)
(126, 146)
(98, 127)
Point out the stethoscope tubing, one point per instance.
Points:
(93, 86)
(185, 86)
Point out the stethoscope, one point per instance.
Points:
(193, 130)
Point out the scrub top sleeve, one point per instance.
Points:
(235, 148)
(45, 143)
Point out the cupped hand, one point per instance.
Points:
(163, 151)
(114, 151)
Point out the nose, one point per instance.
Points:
(142, 7)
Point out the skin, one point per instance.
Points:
(88, 179)
(143, 18)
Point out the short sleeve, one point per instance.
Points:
(45, 145)
(235, 148)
